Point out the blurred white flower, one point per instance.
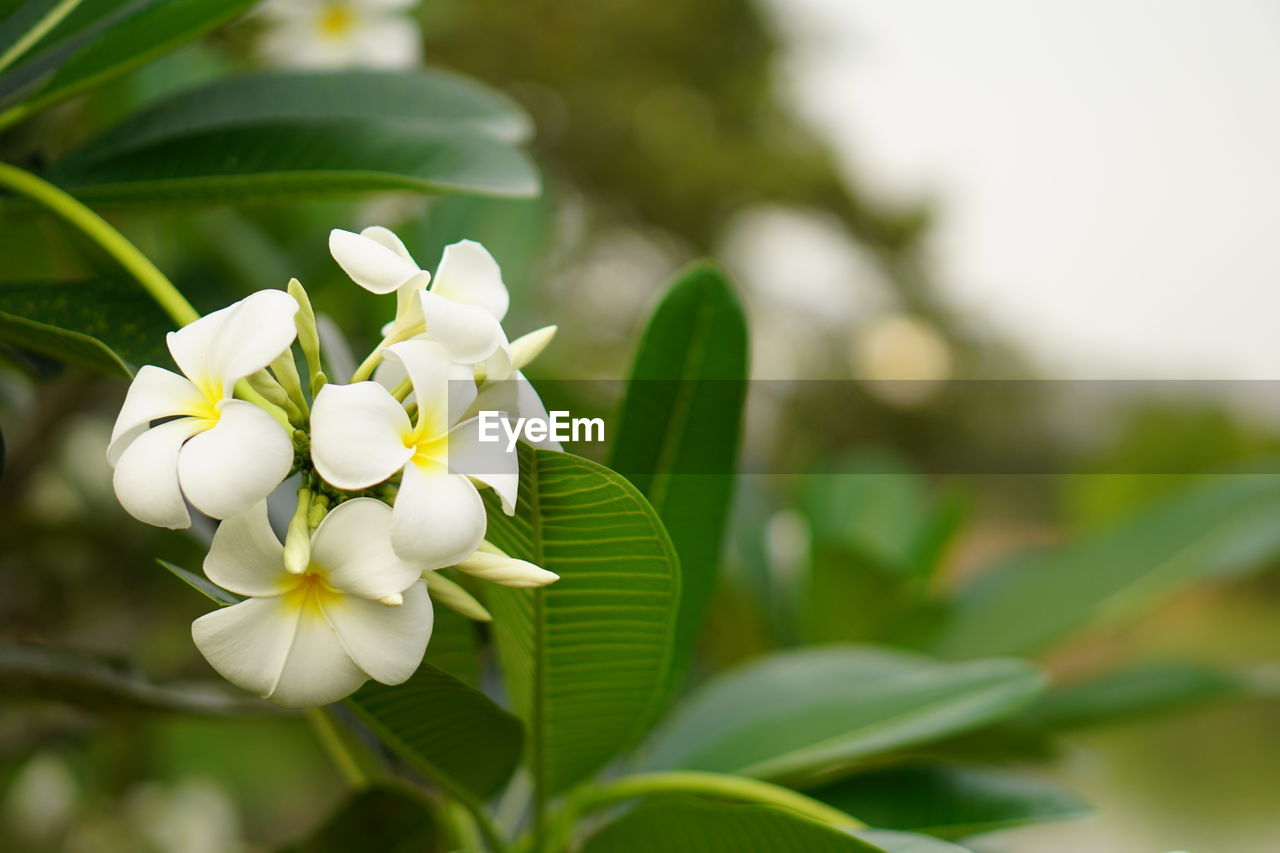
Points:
(191, 816)
(361, 435)
(903, 358)
(41, 800)
(221, 454)
(357, 612)
(316, 34)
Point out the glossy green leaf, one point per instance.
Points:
(1225, 524)
(282, 158)
(813, 710)
(101, 324)
(388, 818)
(585, 659)
(432, 98)
(949, 801)
(677, 430)
(100, 686)
(680, 825)
(903, 842)
(1135, 692)
(201, 584)
(450, 732)
(453, 647)
(124, 37)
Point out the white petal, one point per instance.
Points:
(318, 669)
(386, 237)
(357, 435)
(438, 519)
(526, 348)
(369, 262)
(443, 389)
(498, 367)
(501, 569)
(352, 546)
(155, 393)
(529, 405)
(469, 275)
(146, 475)
(487, 461)
(386, 642)
(248, 643)
(229, 344)
(469, 333)
(409, 319)
(245, 556)
(389, 42)
(231, 467)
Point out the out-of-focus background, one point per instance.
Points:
(904, 190)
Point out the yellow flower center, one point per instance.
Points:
(337, 20)
(312, 593)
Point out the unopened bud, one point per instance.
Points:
(451, 595)
(319, 509)
(297, 541)
(500, 569)
(308, 337)
(395, 599)
(526, 348)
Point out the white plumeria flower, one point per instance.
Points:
(361, 436)
(221, 454)
(357, 612)
(319, 34)
(462, 310)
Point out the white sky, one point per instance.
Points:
(1108, 173)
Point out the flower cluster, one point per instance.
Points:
(388, 466)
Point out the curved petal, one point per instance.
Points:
(370, 262)
(155, 393)
(386, 642)
(490, 462)
(245, 556)
(248, 643)
(229, 344)
(498, 367)
(469, 333)
(387, 238)
(146, 475)
(318, 669)
(469, 275)
(357, 435)
(229, 468)
(529, 405)
(352, 546)
(438, 519)
(409, 320)
(443, 389)
(389, 42)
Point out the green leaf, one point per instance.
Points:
(903, 842)
(432, 98)
(1226, 524)
(949, 801)
(680, 825)
(815, 710)
(586, 658)
(1135, 692)
(678, 430)
(452, 733)
(23, 28)
(389, 818)
(101, 324)
(453, 647)
(201, 584)
(125, 39)
(283, 158)
(101, 686)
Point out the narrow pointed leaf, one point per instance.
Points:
(820, 709)
(678, 430)
(201, 584)
(448, 731)
(1225, 524)
(950, 801)
(681, 825)
(585, 659)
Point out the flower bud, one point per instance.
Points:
(308, 336)
(526, 348)
(492, 565)
(297, 541)
(451, 595)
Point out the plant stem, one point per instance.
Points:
(102, 233)
(28, 39)
(692, 782)
(335, 745)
